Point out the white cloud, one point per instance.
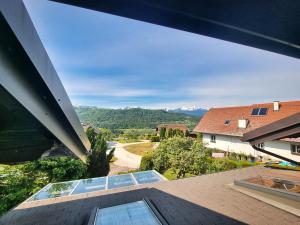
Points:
(97, 86)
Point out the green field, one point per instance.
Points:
(140, 149)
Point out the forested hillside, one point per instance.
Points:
(132, 118)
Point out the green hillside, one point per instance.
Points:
(132, 118)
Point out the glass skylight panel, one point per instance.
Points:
(263, 111)
(120, 181)
(147, 177)
(55, 190)
(96, 184)
(89, 185)
(255, 112)
(134, 213)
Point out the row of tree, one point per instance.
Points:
(132, 118)
(169, 133)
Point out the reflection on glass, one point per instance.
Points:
(134, 213)
(55, 190)
(120, 181)
(146, 177)
(90, 185)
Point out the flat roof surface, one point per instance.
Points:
(203, 199)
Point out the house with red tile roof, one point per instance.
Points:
(223, 128)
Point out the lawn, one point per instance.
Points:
(140, 149)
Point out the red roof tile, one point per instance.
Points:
(213, 121)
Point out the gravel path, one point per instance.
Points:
(125, 158)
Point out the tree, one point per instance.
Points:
(107, 134)
(91, 134)
(131, 134)
(98, 160)
(187, 133)
(178, 133)
(199, 137)
(170, 133)
(162, 133)
(182, 155)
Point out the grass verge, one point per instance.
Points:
(140, 149)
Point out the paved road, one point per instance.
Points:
(125, 159)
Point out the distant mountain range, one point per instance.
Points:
(192, 111)
(134, 117)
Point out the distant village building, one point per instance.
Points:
(174, 126)
(222, 128)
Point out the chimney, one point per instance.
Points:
(276, 106)
(242, 123)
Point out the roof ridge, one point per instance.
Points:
(257, 104)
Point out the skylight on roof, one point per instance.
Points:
(259, 111)
(133, 213)
(96, 184)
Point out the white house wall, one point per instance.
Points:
(233, 144)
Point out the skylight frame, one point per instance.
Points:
(145, 203)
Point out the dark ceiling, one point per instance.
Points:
(272, 25)
(22, 137)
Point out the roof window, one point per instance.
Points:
(227, 122)
(259, 111)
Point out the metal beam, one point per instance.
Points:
(275, 155)
(29, 76)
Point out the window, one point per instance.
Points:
(255, 112)
(259, 111)
(226, 122)
(213, 138)
(295, 149)
(261, 145)
(263, 111)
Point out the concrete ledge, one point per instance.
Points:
(273, 191)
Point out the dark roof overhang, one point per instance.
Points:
(288, 127)
(269, 25)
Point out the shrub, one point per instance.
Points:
(147, 162)
(27, 179)
(154, 138)
(233, 156)
(129, 171)
(277, 166)
(58, 169)
(246, 164)
(221, 164)
(243, 157)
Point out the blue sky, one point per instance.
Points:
(110, 61)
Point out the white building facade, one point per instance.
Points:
(234, 144)
(223, 128)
